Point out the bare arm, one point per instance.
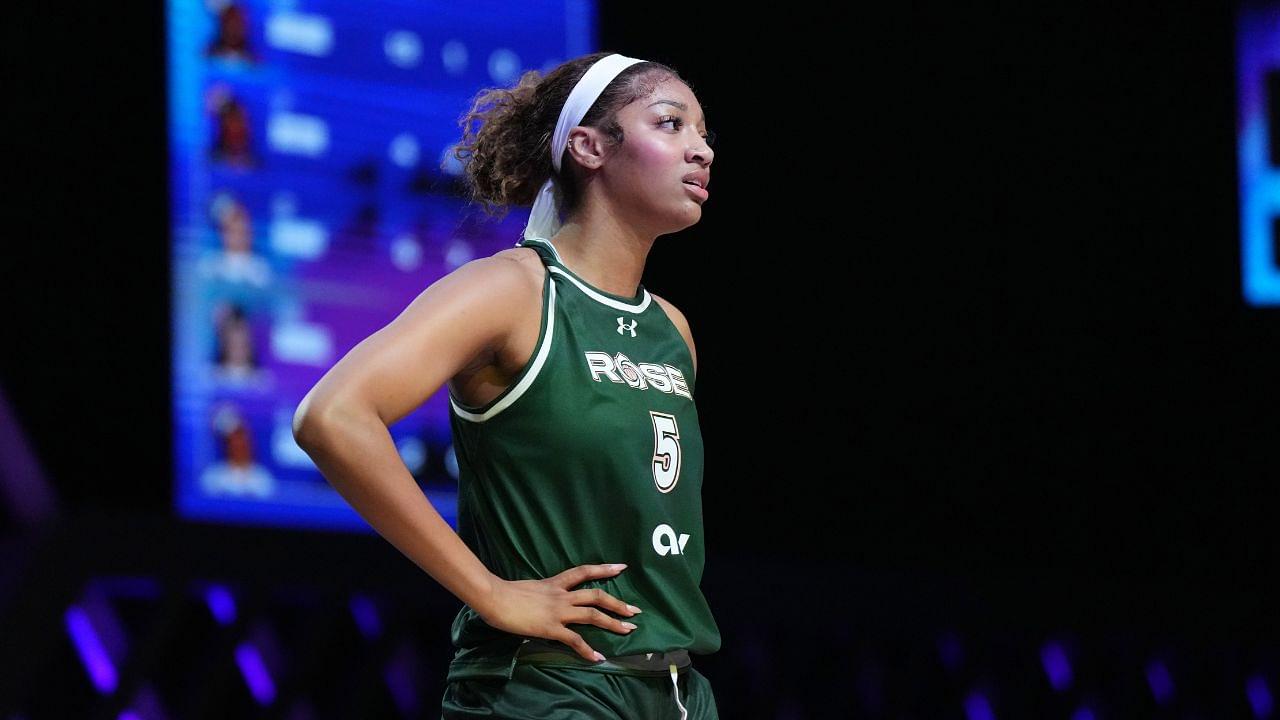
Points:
(459, 322)
(682, 324)
(342, 422)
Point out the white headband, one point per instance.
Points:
(544, 219)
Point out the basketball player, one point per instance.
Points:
(571, 391)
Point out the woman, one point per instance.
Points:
(571, 388)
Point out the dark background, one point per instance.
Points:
(966, 295)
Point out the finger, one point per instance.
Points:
(592, 616)
(575, 641)
(575, 576)
(596, 596)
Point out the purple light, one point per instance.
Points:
(1259, 696)
(93, 655)
(976, 707)
(1056, 666)
(1160, 681)
(126, 586)
(1082, 713)
(366, 616)
(221, 604)
(23, 485)
(399, 681)
(146, 705)
(255, 673)
(950, 652)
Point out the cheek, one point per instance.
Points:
(653, 160)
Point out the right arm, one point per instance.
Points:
(458, 322)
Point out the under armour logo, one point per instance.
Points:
(623, 326)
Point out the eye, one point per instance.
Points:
(710, 137)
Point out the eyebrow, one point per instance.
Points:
(678, 104)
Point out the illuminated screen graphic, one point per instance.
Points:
(1258, 139)
(309, 208)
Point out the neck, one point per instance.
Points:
(603, 251)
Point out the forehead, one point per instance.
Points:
(668, 96)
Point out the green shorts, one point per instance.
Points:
(545, 692)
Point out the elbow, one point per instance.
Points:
(310, 421)
(304, 429)
(320, 418)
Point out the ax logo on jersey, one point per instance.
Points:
(665, 541)
(623, 326)
(619, 369)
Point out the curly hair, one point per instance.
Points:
(507, 158)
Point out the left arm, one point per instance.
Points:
(682, 324)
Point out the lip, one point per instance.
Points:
(697, 191)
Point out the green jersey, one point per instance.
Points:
(592, 455)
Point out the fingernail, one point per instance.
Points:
(599, 657)
(618, 566)
(634, 609)
(631, 626)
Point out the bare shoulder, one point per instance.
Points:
(460, 324)
(481, 293)
(515, 274)
(503, 276)
(525, 259)
(682, 324)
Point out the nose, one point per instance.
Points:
(701, 153)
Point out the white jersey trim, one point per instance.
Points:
(539, 359)
(615, 304)
(592, 292)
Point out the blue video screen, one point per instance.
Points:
(1258, 149)
(313, 196)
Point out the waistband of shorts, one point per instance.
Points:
(537, 651)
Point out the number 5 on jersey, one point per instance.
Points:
(666, 451)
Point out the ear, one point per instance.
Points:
(586, 146)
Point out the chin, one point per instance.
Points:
(691, 218)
